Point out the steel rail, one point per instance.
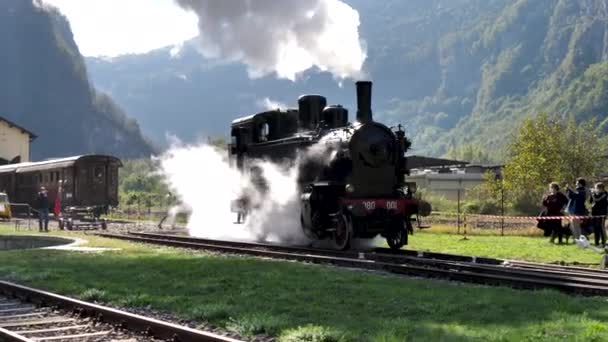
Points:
(466, 272)
(135, 323)
(9, 336)
(575, 275)
(388, 255)
(492, 261)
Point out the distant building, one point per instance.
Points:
(448, 178)
(14, 142)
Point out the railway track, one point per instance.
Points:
(28, 314)
(489, 271)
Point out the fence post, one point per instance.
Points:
(502, 207)
(29, 216)
(465, 227)
(458, 215)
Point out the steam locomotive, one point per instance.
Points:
(351, 175)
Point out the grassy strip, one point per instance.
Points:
(301, 302)
(471, 230)
(503, 247)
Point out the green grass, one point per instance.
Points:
(529, 248)
(302, 302)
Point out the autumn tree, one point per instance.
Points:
(547, 149)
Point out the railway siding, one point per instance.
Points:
(20, 321)
(433, 265)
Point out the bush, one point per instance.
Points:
(311, 333)
(487, 207)
(94, 295)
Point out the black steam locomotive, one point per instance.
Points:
(351, 175)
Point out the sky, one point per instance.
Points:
(139, 26)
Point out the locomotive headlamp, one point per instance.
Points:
(350, 188)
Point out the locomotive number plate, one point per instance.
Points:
(367, 206)
(389, 205)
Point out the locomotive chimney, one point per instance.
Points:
(364, 101)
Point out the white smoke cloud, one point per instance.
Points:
(206, 184)
(285, 37)
(268, 104)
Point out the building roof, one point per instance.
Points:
(12, 124)
(50, 164)
(420, 162)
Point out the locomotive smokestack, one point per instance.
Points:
(364, 101)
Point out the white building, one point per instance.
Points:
(444, 177)
(14, 142)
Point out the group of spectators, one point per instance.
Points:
(574, 203)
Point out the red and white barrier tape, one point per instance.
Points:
(526, 218)
(534, 218)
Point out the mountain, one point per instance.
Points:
(455, 72)
(44, 87)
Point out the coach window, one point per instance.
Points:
(99, 174)
(264, 131)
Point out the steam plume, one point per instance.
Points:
(285, 37)
(206, 183)
(269, 104)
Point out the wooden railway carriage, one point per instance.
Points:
(86, 184)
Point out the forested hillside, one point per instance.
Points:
(44, 87)
(461, 74)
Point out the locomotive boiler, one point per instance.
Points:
(351, 177)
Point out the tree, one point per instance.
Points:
(471, 153)
(547, 149)
(141, 183)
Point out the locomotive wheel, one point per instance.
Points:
(397, 240)
(343, 233)
(399, 237)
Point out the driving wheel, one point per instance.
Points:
(398, 238)
(343, 233)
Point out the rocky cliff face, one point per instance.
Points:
(44, 87)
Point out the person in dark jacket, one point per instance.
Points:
(554, 204)
(576, 205)
(599, 207)
(42, 205)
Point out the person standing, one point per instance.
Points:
(43, 204)
(599, 207)
(554, 203)
(576, 205)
